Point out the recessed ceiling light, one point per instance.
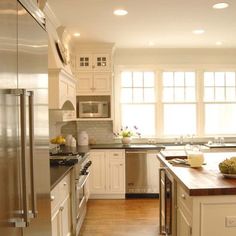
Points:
(120, 12)
(220, 5)
(198, 31)
(76, 34)
(151, 43)
(218, 43)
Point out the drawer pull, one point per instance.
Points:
(52, 198)
(183, 196)
(115, 154)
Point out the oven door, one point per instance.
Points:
(80, 200)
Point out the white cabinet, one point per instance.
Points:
(96, 62)
(184, 212)
(98, 172)
(61, 208)
(153, 166)
(107, 174)
(93, 83)
(183, 226)
(116, 171)
(94, 69)
(62, 88)
(205, 215)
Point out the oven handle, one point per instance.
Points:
(80, 185)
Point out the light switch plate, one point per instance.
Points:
(230, 221)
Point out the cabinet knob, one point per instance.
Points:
(52, 198)
(61, 208)
(64, 183)
(183, 196)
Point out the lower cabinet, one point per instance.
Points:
(107, 174)
(205, 215)
(183, 225)
(61, 208)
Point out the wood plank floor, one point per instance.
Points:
(130, 217)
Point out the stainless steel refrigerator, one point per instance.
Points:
(24, 155)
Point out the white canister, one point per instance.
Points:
(68, 139)
(73, 142)
(83, 138)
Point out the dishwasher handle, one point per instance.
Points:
(136, 151)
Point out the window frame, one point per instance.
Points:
(159, 107)
(204, 103)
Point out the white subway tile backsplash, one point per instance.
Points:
(98, 131)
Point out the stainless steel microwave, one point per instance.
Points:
(93, 109)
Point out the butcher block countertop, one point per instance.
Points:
(206, 180)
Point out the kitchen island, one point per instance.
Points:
(205, 201)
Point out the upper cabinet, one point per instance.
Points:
(93, 69)
(96, 62)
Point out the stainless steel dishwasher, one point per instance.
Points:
(139, 168)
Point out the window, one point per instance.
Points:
(138, 101)
(179, 103)
(220, 102)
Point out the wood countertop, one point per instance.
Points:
(206, 180)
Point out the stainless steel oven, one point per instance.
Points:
(167, 203)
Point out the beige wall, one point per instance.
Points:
(173, 56)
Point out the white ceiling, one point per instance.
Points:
(167, 23)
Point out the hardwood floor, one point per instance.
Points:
(130, 217)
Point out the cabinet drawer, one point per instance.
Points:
(116, 154)
(184, 199)
(64, 187)
(55, 198)
(59, 193)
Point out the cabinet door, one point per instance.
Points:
(101, 82)
(98, 176)
(84, 62)
(183, 226)
(84, 83)
(101, 62)
(152, 174)
(66, 221)
(56, 224)
(116, 172)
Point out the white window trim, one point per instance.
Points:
(198, 69)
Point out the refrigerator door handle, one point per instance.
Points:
(26, 215)
(31, 143)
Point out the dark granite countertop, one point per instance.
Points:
(57, 173)
(130, 146)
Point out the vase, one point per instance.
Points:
(126, 140)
